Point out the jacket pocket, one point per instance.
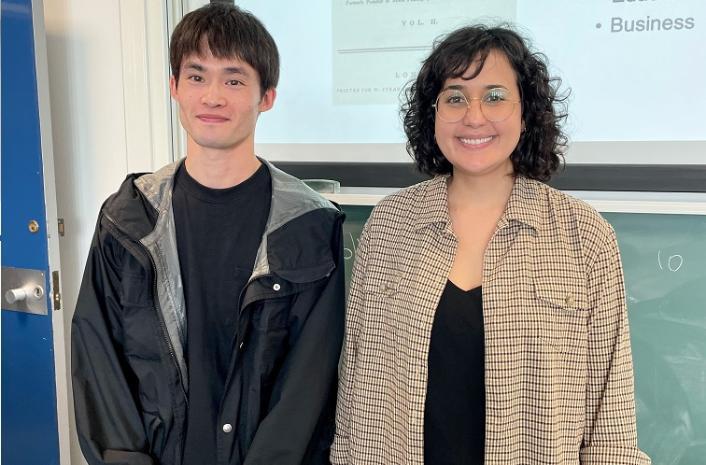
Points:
(562, 312)
(140, 327)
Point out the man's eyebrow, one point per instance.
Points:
(194, 66)
(227, 70)
(235, 70)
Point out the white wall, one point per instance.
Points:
(110, 115)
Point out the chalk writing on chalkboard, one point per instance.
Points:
(349, 252)
(673, 263)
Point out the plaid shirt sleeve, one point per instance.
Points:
(356, 301)
(610, 435)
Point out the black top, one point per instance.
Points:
(454, 418)
(218, 232)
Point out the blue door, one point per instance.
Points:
(30, 299)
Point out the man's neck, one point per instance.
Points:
(220, 169)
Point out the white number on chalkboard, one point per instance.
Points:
(674, 262)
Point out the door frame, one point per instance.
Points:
(59, 334)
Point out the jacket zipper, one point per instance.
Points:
(240, 336)
(162, 323)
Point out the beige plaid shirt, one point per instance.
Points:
(558, 367)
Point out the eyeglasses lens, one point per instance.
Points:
(452, 106)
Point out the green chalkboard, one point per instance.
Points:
(664, 258)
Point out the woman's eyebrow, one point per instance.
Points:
(487, 87)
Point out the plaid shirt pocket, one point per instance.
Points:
(563, 314)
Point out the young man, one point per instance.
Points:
(210, 317)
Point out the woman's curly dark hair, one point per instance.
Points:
(539, 152)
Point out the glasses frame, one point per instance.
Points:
(435, 106)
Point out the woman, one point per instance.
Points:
(487, 319)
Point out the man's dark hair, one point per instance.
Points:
(539, 152)
(230, 33)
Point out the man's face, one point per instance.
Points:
(219, 101)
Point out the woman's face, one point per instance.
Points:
(475, 145)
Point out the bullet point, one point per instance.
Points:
(598, 25)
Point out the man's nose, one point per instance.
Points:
(213, 96)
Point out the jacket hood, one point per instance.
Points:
(131, 212)
(145, 199)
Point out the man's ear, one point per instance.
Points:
(268, 99)
(173, 87)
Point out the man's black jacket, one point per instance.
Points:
(130, 378)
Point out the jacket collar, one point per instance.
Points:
(523, 205)
(291, 198)
(157, 187)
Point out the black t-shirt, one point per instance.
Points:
(454, 418)
(218, 232)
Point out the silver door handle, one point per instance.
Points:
(24, 293)
(23, 290)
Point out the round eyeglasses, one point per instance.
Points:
(452, 105)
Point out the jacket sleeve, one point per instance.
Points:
(108, 421)
(340, 451)
(300, 425)
(610, 434)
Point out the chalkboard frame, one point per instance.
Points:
(575, 177)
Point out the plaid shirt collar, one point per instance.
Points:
(523, 205)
